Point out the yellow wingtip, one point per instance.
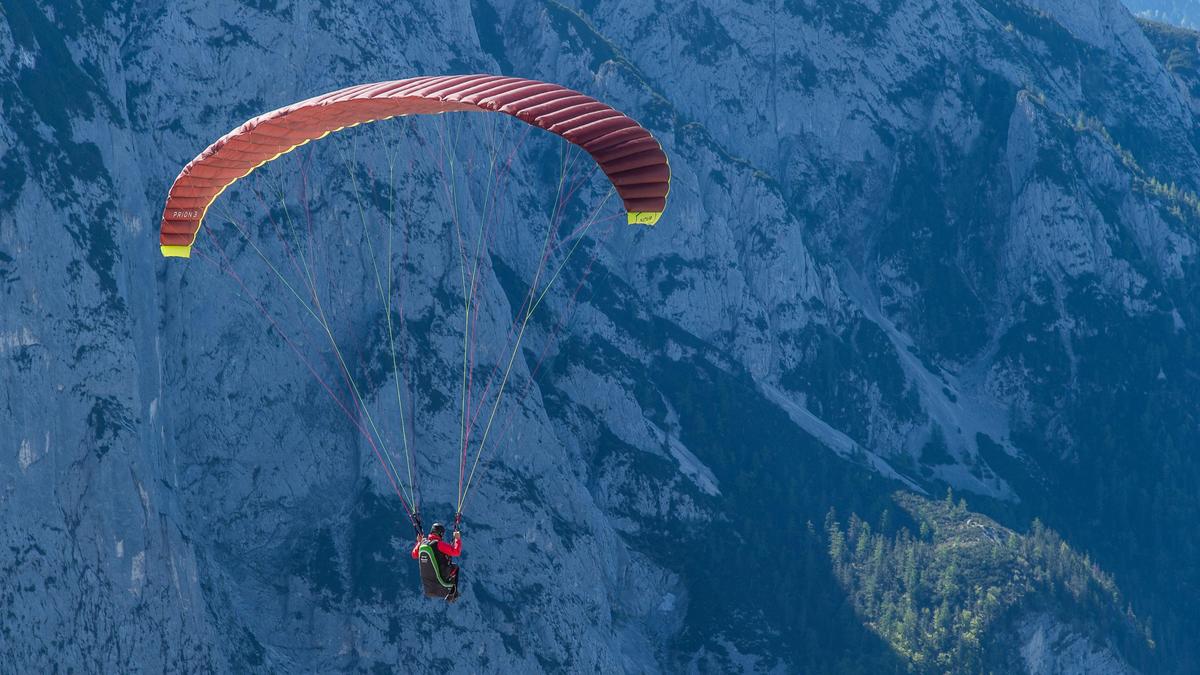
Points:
(176, 251)
(644, 217)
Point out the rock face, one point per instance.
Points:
(909, 245)
(1050, 647)
(1184, 13)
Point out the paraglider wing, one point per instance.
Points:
(628, 154)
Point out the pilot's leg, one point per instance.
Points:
(453, 576)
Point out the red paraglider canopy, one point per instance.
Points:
(626, 152)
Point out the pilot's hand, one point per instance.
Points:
(457, 535)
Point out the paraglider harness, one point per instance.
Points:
(439, 576)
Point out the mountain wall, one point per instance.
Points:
(911, 247)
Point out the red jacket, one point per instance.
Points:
(453, 551)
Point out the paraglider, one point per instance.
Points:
(629, 157)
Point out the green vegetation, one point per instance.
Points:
(946, 597)
(1177, 198)
(1176, 48)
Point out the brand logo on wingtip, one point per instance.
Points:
(185, 214)
(644, 218)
